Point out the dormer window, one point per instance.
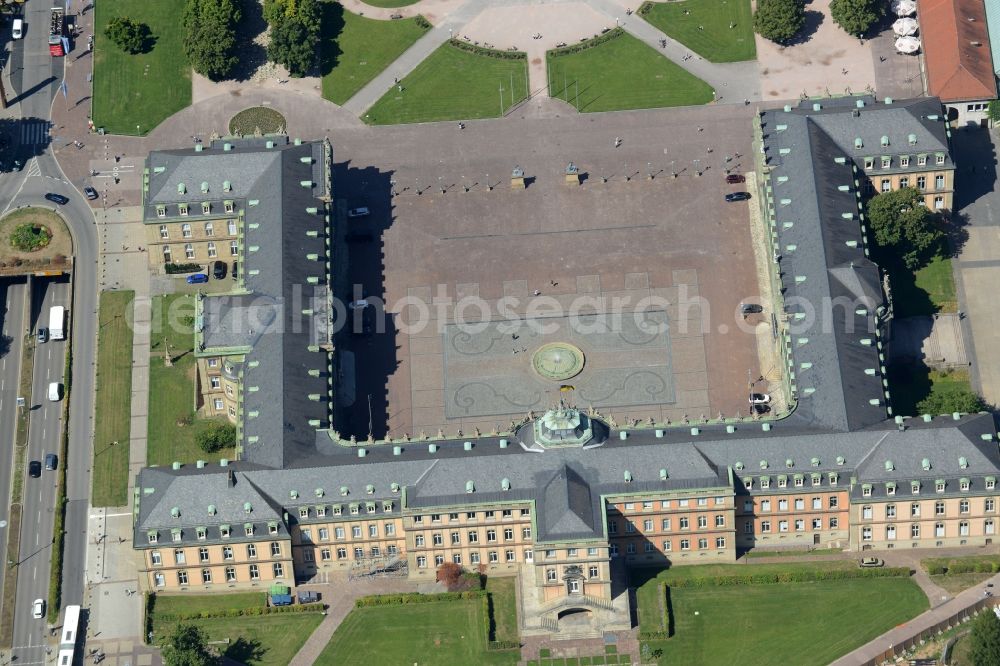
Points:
(304, 512)
(248, 529)
(964, 485)
(337, 510)
(782, 482)
(386, 507)
(904, 160)
(182, 209)
(206, 208)
(272, 528)
(915, 487)
(866, 490)
(748, 483)
(153, 536)
(765, 482)
(176, 534)
(921, 160)
(869, 163)
(202, 533)
(224, 531)
(229, 207)
(939, 159)
(320, 511)
(886, 162)
(939, 486)
(991, 483)
(161, 211)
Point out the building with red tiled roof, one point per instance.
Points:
(959, 65)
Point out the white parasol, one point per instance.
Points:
(909, 45)
(905, 26)
(903, 7)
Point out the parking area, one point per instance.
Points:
(636, 281)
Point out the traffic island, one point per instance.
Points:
(34, 239)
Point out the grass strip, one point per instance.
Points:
(59, 520)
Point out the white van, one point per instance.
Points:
(17, 29)
(55, 389)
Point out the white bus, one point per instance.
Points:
(57, 321)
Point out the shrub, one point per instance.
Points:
(173, 269)
(414, 598)
(789, 577)
(779, 20)
(489, 53)
(30, 237)
(936, 570)
(216, 436)
(210, 36)
(449, 573)
(256, 119)
(503, 645)
(644, 8)
(589, 43)
(422, 22)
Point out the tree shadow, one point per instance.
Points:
(812, 23)
(252, 54)
(975, 158)
(245, 650)
(148, 39)
(5, 345)
(332, 25)
(957, 232)
(909, 383)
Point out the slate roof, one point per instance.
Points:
(275, 185)
(956, 45)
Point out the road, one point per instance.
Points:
(34, 82)
(44, 432)
(12, 329)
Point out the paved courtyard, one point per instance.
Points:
(552, 263)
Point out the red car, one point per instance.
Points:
(735, 178)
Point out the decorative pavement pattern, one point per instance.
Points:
(493, 368)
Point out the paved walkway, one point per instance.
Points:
(937, 340)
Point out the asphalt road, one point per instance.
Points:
(44, 432)
(34, 82)
(12, 329)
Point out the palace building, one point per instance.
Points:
(568, 498)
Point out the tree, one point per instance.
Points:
(216, 436)
(210, 36)
(857, 16)
(951, 399)
(985, 649)
(128, 34)
(779, 20)
(904, 227)
(295, 28)
(188, 646)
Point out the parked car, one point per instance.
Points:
(34, 469)
(43, 335)
(219, 270)
(55, 391)
(197, 278)
(57, 198)
(750, 308)
(760, 408)
(38, 609)
(735, 178)
(51, 461)
(358, 304)
(871, 562)
(90, 192)
(17, 29)
(308, 596)
(759, 398)
(360, 211)
(737, 196)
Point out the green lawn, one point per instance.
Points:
(452, 84)
(622, 73)
(790, 623)
(714, 40)
(357, 49)
(931, 289)
(501, 591)
(390, 4)
(269, 640)
(443, 633)
(172, 420)
(113, 399)
(911, 383)
(143, 89)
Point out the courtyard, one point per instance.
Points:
(640, 276)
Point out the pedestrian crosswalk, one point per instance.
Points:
(34, 132)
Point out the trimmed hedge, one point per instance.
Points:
(422, 22)
(654, 635)
(588, 44)
(503, 645)
(245, 612)
(489, 53)
(644, 8)
(961, 567)
(173, 269)
(415, 598)
(789, 577)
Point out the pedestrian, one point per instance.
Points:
(537, 293)
(553, 282)
(513, 336)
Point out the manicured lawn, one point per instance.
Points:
(622, 73)
(357, 49)
(931, 289)
(172, 420)
(390, 4)
(703, 27)
(955, 583)
(909, 384)
(501, 590)
(785, 623)
(444, 633)
(452, 84)
(269, 640)
(143, 89)
(113, 399)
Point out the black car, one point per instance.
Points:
(219, 270)
(737, 196)
(51, 461)
(90, 192)
(57, 198)
(751, 308)
(34, 469)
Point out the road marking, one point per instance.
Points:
(20, 187)
(35, 132)
(110, 515)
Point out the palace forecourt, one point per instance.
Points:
(559, 450)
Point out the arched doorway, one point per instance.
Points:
(574, 619)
